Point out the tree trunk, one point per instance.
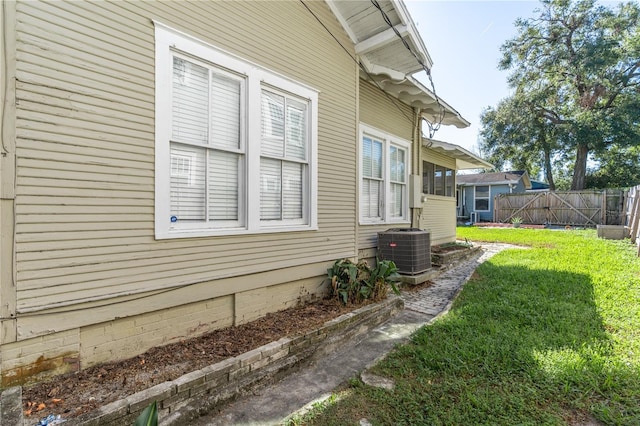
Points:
(580, 168)
(547, 169)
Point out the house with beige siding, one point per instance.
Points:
(169, 168)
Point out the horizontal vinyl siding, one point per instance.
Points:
(385, 112)
(85, 145)
(434, 157)
(439, 218)
(379, 111)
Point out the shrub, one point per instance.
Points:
(356, 282)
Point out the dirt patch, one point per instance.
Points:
(447, 248)
(73, 394)
(408, 288)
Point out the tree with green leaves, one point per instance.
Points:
(575, 71)
(516, 134)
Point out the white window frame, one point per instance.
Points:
(388, 140)
(170, 42)
(488, 198)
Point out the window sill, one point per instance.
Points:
(199, 233)
(400, 222)
(438, 197)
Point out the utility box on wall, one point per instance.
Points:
(415, 191)
(408, 248)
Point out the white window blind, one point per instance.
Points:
(384, 177)
(283, 166)
(397, 164)
(190, 102)
(372, 185)
(188, 183)
(205, 144)
(235, 144)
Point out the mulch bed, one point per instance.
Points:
(73, 394)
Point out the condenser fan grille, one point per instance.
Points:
(408, 248)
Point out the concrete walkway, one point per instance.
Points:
(293, 394)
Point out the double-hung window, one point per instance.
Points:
(235, 144)
(284, 157)
(206, 145)
(372, 192)
(481, 196)
(384, 174)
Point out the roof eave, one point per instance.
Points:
(386, 62)
(465, 160)
(368, 45)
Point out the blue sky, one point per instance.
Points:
(464, 39)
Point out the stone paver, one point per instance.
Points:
(435, 298)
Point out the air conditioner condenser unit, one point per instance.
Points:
(408, 248)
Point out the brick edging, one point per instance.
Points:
(184, 398)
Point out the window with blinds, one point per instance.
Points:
(206, 154)
(236, 144)
(283, 162)
(372, 181)
(398, 182)
(481, 198)
(384, 177)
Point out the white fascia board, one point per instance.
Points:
(406, 19)
(342, 20)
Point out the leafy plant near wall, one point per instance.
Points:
(352, 283)
(149, 417)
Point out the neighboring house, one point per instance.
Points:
(169, 168)
(477, 191)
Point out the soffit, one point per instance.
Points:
(388, 62)
(464, 159)
(375, 40)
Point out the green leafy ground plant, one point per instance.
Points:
(546, 335)
(148, 417)
(355, 282)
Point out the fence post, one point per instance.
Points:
(634, 219)
(603, 211)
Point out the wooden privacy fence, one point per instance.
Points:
(581, 208)
(632, 215)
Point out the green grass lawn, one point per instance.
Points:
(544, 336)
